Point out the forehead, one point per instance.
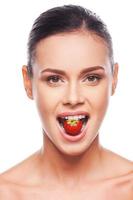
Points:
(72, 49)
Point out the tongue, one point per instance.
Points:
(73, 127)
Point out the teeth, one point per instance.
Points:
(82, 116)
(77, 117)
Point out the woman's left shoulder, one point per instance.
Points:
(121, 176)
(123, 184)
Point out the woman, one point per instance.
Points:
(71, 75)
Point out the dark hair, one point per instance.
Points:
(66, 18)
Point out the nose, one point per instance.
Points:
(73, 95)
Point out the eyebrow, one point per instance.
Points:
(84, 71)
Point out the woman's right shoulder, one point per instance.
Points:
(5, 189)
(18, 174)
(4, 184)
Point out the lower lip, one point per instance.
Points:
(76, 137)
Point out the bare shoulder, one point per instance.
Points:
(23, 172)
(6, 191)
(121, 176)
(122, 187)
(6, 187)
(117, 164)
(17, 177)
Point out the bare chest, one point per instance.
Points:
(100, 191)
(94, 193)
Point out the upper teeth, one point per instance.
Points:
(77, 117)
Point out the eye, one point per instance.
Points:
(53, 79)
(93, 79)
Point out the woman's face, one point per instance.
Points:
(71, 72)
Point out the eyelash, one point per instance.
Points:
(52, 77)
(57, 77)
(97, 77)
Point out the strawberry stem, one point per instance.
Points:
(72, 122)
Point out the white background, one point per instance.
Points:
(20, 128)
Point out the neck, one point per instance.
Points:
(64, 168)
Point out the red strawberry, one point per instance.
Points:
(73, 127)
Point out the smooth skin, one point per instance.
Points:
(62, 169)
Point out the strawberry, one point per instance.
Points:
(73, 127)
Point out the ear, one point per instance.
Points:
(27, 82)
(115, 77)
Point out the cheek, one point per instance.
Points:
(100, 100)
(45, 99)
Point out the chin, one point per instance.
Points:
(74, 151)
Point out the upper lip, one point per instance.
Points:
(63, 114)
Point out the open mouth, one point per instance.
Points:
(73, 125)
